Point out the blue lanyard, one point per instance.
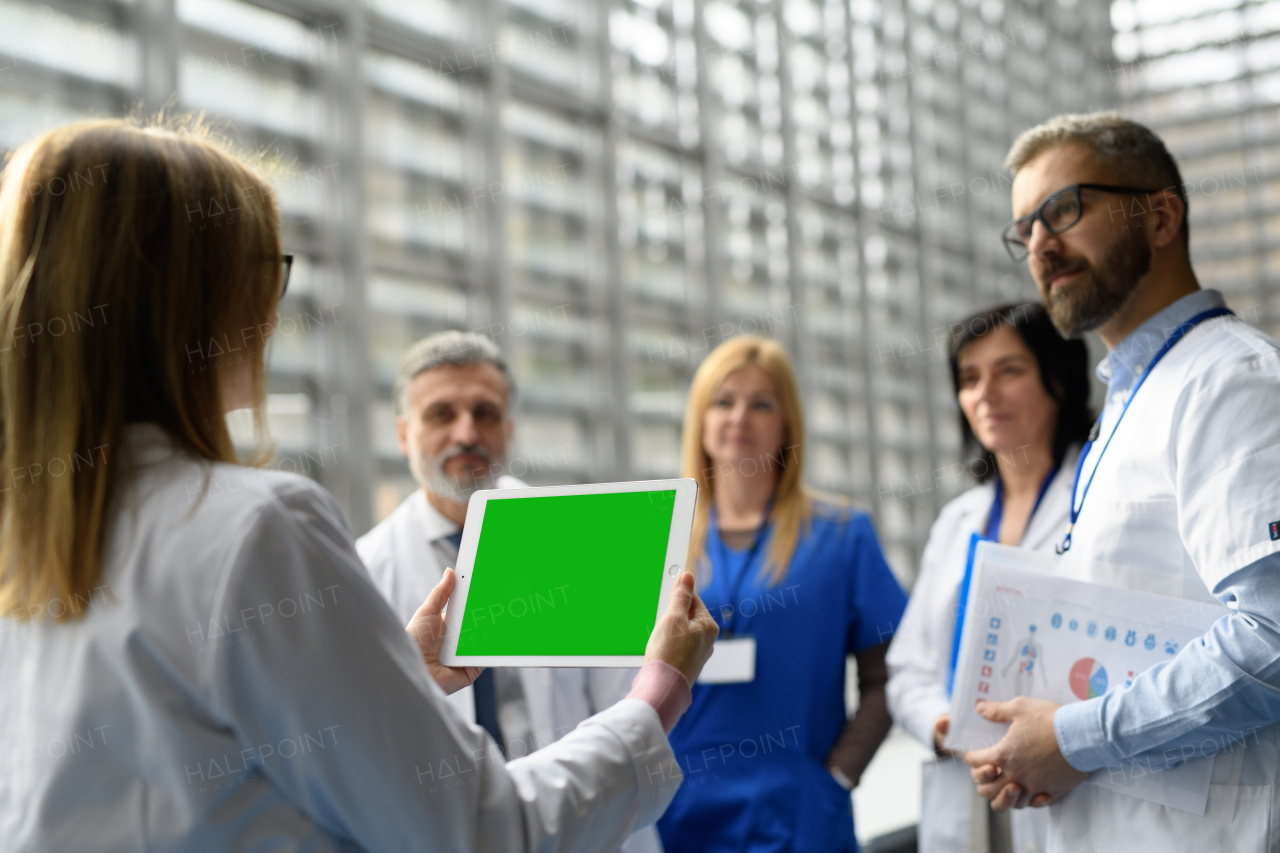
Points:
(1178, 334)
(735, 588)
(961, 604)
(996, 516)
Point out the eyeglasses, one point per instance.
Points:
(287, 262)
(1059, 212)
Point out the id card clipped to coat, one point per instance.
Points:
(733, 661)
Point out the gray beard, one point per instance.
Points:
(433, 478)
(1087, 307)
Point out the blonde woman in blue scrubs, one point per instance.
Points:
(797, 583)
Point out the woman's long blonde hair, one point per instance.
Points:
(792, 506)
(131, 257)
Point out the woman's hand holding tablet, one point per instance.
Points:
(684, 636)
(686, 633)
(567, 575)
(427, 629)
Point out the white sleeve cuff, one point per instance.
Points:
(658, 775)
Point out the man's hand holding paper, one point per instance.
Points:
(1033, 641)
(1026, 768)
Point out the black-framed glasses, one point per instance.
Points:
(1059, 212)
(287, 262)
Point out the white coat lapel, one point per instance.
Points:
(1049, 523)
(417, 568)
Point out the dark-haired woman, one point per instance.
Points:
(1023, 393)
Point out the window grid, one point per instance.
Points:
(1206, 76)
(611, 189)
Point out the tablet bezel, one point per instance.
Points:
(677, 555)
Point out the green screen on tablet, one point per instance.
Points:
(567, 575)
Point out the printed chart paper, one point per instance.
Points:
(1029, 633)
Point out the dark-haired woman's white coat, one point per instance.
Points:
(919, 661)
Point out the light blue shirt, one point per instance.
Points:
(1123, 366)
(1221, 689)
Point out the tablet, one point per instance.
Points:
(566, 575)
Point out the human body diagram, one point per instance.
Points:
(1027, 657)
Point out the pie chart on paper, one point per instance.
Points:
(1088, 678)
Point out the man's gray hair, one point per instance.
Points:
(1127, 148)
(448, 349)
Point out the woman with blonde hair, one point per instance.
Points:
(195, 659)
(797, 582)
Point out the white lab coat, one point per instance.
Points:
(919, 658)
(1181, 499)
(405, 566)
(239, 684)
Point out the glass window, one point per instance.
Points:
(611, 189)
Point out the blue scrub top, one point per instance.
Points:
(753, 755)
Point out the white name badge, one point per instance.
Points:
(733, 661)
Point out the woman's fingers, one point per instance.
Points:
(439, 596)
(682, 596)
(427, 624)
(940, 728)
(685, 634)
(705, 623)
(699, 610)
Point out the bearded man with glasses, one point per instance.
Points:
(1177, 493)
(1126, 260)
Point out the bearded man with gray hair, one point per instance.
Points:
(453, 399)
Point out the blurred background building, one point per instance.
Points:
(609, 188)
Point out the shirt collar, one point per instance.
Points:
(1125, 363)
(146, 443)
(434, 524)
